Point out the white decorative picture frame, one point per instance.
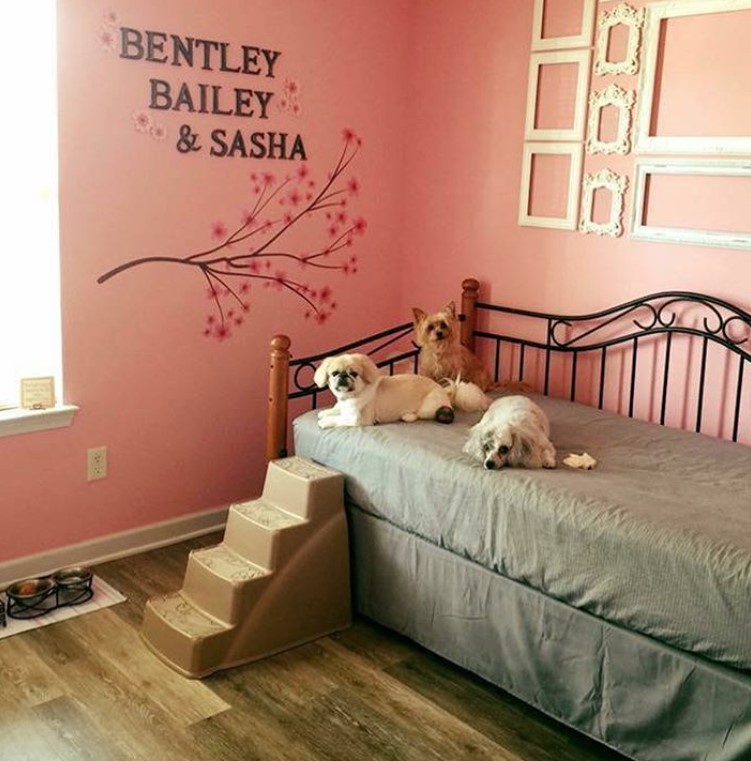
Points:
(575, 152)
(605, 179)
(633, 20)
(623, 101)
(581, 40)
(644, 142)
(685, 235)
(576, 130)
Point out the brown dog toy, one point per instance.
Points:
(444, 415)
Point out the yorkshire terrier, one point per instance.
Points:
(442, 354)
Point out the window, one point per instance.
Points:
(30, 340)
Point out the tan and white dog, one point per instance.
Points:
(442, 354)
(514, 432)
(365, 397)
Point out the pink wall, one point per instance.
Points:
(462, 194)
(463, 173)
(437, 91)
(183, 415)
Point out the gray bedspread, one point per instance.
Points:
(657, 538)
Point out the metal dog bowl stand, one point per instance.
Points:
(35, 597)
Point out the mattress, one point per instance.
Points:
(656, 539)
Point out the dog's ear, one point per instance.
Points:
(522, 446)
(368, 369)
(451, 310)
(418, 325)
(473, 445)
(321, 376)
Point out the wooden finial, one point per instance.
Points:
(280, 343)
(471, 285)
(276, 424)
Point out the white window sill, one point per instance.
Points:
(17, 421)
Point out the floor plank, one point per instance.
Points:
(25, 679)
(89, 688)
(507, 721)
(130, 661)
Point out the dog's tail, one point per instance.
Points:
(511, 387)
(468, 397)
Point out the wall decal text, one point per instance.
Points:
(170, 95)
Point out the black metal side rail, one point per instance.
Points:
(306, 366)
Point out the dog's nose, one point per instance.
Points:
(491, 465)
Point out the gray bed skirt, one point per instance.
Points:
(644, 699)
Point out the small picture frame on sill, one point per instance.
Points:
(37, 393)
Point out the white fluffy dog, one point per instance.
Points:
(365, 397)
(514, 432)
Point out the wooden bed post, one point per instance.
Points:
(470, 288)
(276, 428)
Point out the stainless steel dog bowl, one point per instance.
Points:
(30, 591)
(74, 576)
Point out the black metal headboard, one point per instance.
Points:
(573, 355)
(658, 317)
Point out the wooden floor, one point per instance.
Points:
(88, 689)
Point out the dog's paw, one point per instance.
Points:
(409, 417)
(548, 459)
(327, 422)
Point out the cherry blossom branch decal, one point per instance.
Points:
(255, 249)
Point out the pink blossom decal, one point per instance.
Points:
(350, 136)
(107, 36)
(142, 121)
(158, 131)
(107, 33)
(219, 230)
(289, 97)
(255, 250)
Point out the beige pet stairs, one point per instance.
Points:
(278, 579)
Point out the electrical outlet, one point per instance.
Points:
(96, 459)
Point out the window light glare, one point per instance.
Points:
(30, 342)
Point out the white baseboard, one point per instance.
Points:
(114, 546)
